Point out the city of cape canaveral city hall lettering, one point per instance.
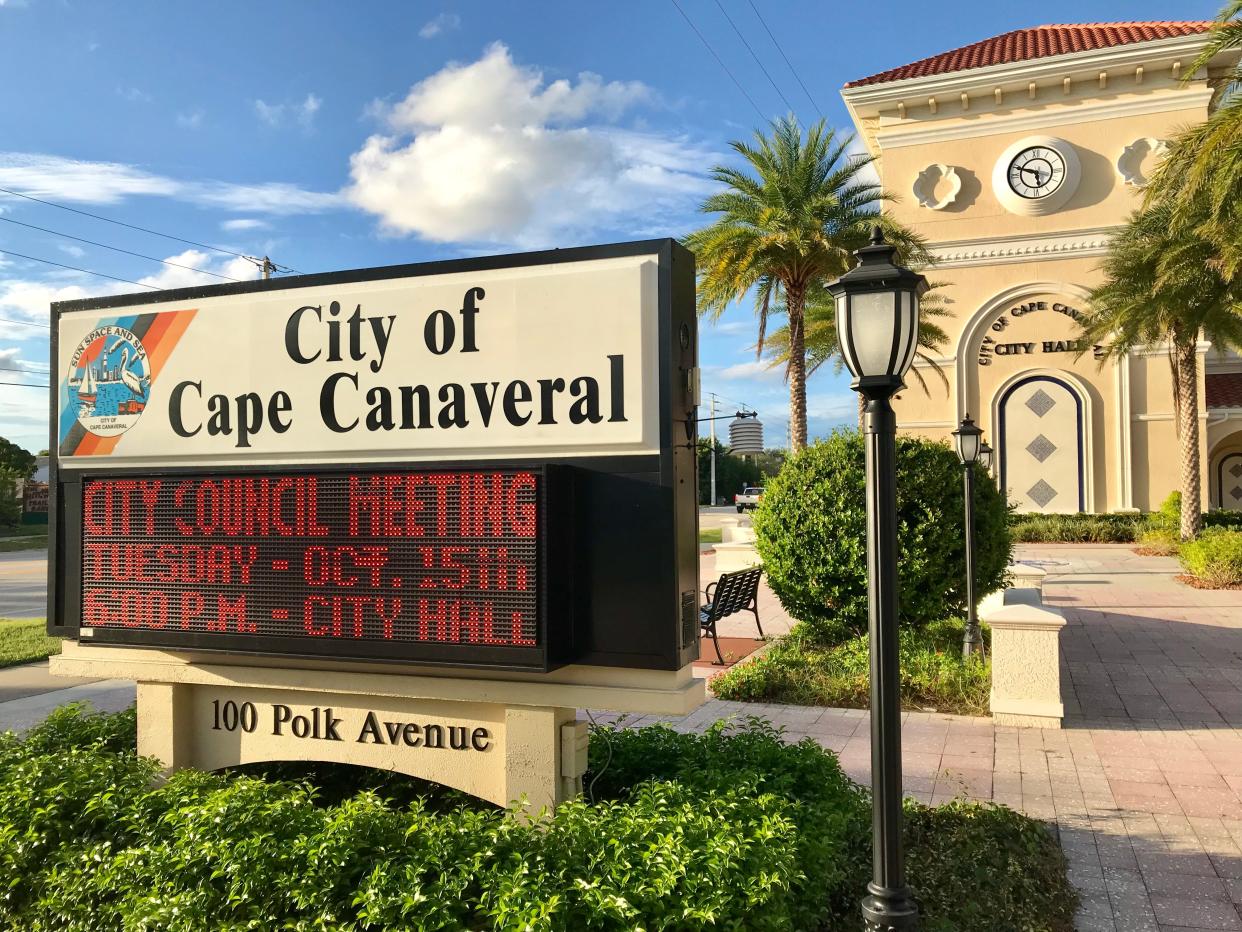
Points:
(382, 460)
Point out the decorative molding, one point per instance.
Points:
(1125, 448)
(1025, 247)
(1060, 116)
(1130, 162)
(911, 425)
(967, 371)
(925, 186)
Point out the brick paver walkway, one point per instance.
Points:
(1144, 783)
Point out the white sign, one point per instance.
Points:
(547, 360)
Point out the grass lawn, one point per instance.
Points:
(25, 537)
(711, 535)
(800, 671)
(23, 641)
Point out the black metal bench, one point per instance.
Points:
(731, 593)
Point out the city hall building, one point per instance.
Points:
(1017, 158)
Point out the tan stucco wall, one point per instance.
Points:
(997, 260)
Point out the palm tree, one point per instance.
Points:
(1164, 286)
(789, 223)
(821, 336)
(1201, 174)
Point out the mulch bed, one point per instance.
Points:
(733, 649)
(1196, 583)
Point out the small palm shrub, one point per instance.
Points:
(1215, 557)
(1080, 528)
(812, 535)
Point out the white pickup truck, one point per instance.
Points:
(748, 499)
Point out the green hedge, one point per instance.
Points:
(1156, 530)
(811, 530)
(720, 830)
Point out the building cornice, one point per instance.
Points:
(869, 99)
(1023, 120)
(1023, 247)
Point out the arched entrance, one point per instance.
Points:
(1229, 481)
(1040, 429)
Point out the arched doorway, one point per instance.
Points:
(1229, 481)
(1040, 426)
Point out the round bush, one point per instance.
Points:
(812, 534)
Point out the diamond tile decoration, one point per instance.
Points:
(1041, 493)
(1236, 470)
(1041, 448)
(1041, 402)
(1236, 492)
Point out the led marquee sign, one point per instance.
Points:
(481, 463)
(374, 561)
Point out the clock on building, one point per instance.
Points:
(1036, 175)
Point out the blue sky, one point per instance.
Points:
(341, 135)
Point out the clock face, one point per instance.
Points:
(1036, 172)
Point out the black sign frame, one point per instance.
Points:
(628, 580)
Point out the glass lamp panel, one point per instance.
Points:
(872, 323)
(985, 456)
(967, 446)
(843, 330)
(908, 312)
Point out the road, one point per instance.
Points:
(23, 584)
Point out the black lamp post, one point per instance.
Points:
(969, 440)
(877, 328)
(985, 458)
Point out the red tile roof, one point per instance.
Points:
(1036, 42)
(1223, 389)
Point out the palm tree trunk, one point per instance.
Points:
(795, 303)
(1188, 437)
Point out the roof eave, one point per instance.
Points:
(868, 99)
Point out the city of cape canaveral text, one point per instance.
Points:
(328, 334)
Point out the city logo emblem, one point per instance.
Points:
(109, 380)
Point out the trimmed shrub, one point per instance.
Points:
(1079, 528)
(1160, 541)
(730, 829)
(1215, 558)
(812, 534)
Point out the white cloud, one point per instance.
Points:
(134, 95)
(442, 23)
(173, 277)
(756, 369)
(303, 113)
(84, 182)
(734, 326)
(488, 151)
(191, 120)
(76, 251)
(240, 224)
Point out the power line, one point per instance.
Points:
(91, 242)
(25, 323)
(131, 226)
(25, 384)
(16, 369)
(792, 69)
(719, 61)
(779, 93)
(74, 268)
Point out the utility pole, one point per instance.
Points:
(268, 266)
(713, 454)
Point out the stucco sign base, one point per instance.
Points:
(504, 741)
